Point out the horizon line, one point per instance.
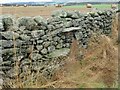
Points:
(54, 1)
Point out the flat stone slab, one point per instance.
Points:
(71, 29)
(59, 52)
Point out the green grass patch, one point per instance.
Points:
(118, 6)
(75, 6)
(99, 6)
(102, 6)
(82, 86)
(98, 85)
(94, 58)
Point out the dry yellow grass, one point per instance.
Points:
(97, 70)
(35, 10)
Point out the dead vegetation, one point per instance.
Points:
(35, 10)
(97, 70)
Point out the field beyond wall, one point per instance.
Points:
(47, 11)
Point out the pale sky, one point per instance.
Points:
(8, 1)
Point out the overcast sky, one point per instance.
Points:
(88, 0)
(8, 1)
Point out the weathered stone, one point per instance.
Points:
(50, 38)
(25, 70)
(7, 22)
(28, 22)
(77, 35)
(1, 26)
(37, 33)
(59, 46)
(11, 73)
(6, 63)
(68, 24)
(74, 15)
(63, 37)
(57, 31)
(19, 42)
(57, 26)
(100, 12)
(36, 56)
(67, 45)
(40, 20)
(60, 13)
(44, 37)
(60, 52)
(42, 27)
(46, 44)
(85, 46)
(76, 23)
(39, 47)
(71, 29)
(39, 41)
(9, 35)
(51, 48)
(68, 19)
(54, 19)
(90, 18)
(97, 18)
(6, 43)
(25, 37)
(50, 27)
(61, 41)
(9, 51)
(56, 39)
(44, 51)
(25, 62)
(54, 43)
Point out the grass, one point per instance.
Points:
(16, 66)
(94, 58)
(98, 85)
(99, 6)
(102, 6)
(82, 85)
(75, 6)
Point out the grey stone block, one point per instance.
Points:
(44, 51)
(24, 37)
(39, 47)
(36, 56)
(9, 35)
(51, 48)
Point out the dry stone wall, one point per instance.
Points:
(37, 40)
